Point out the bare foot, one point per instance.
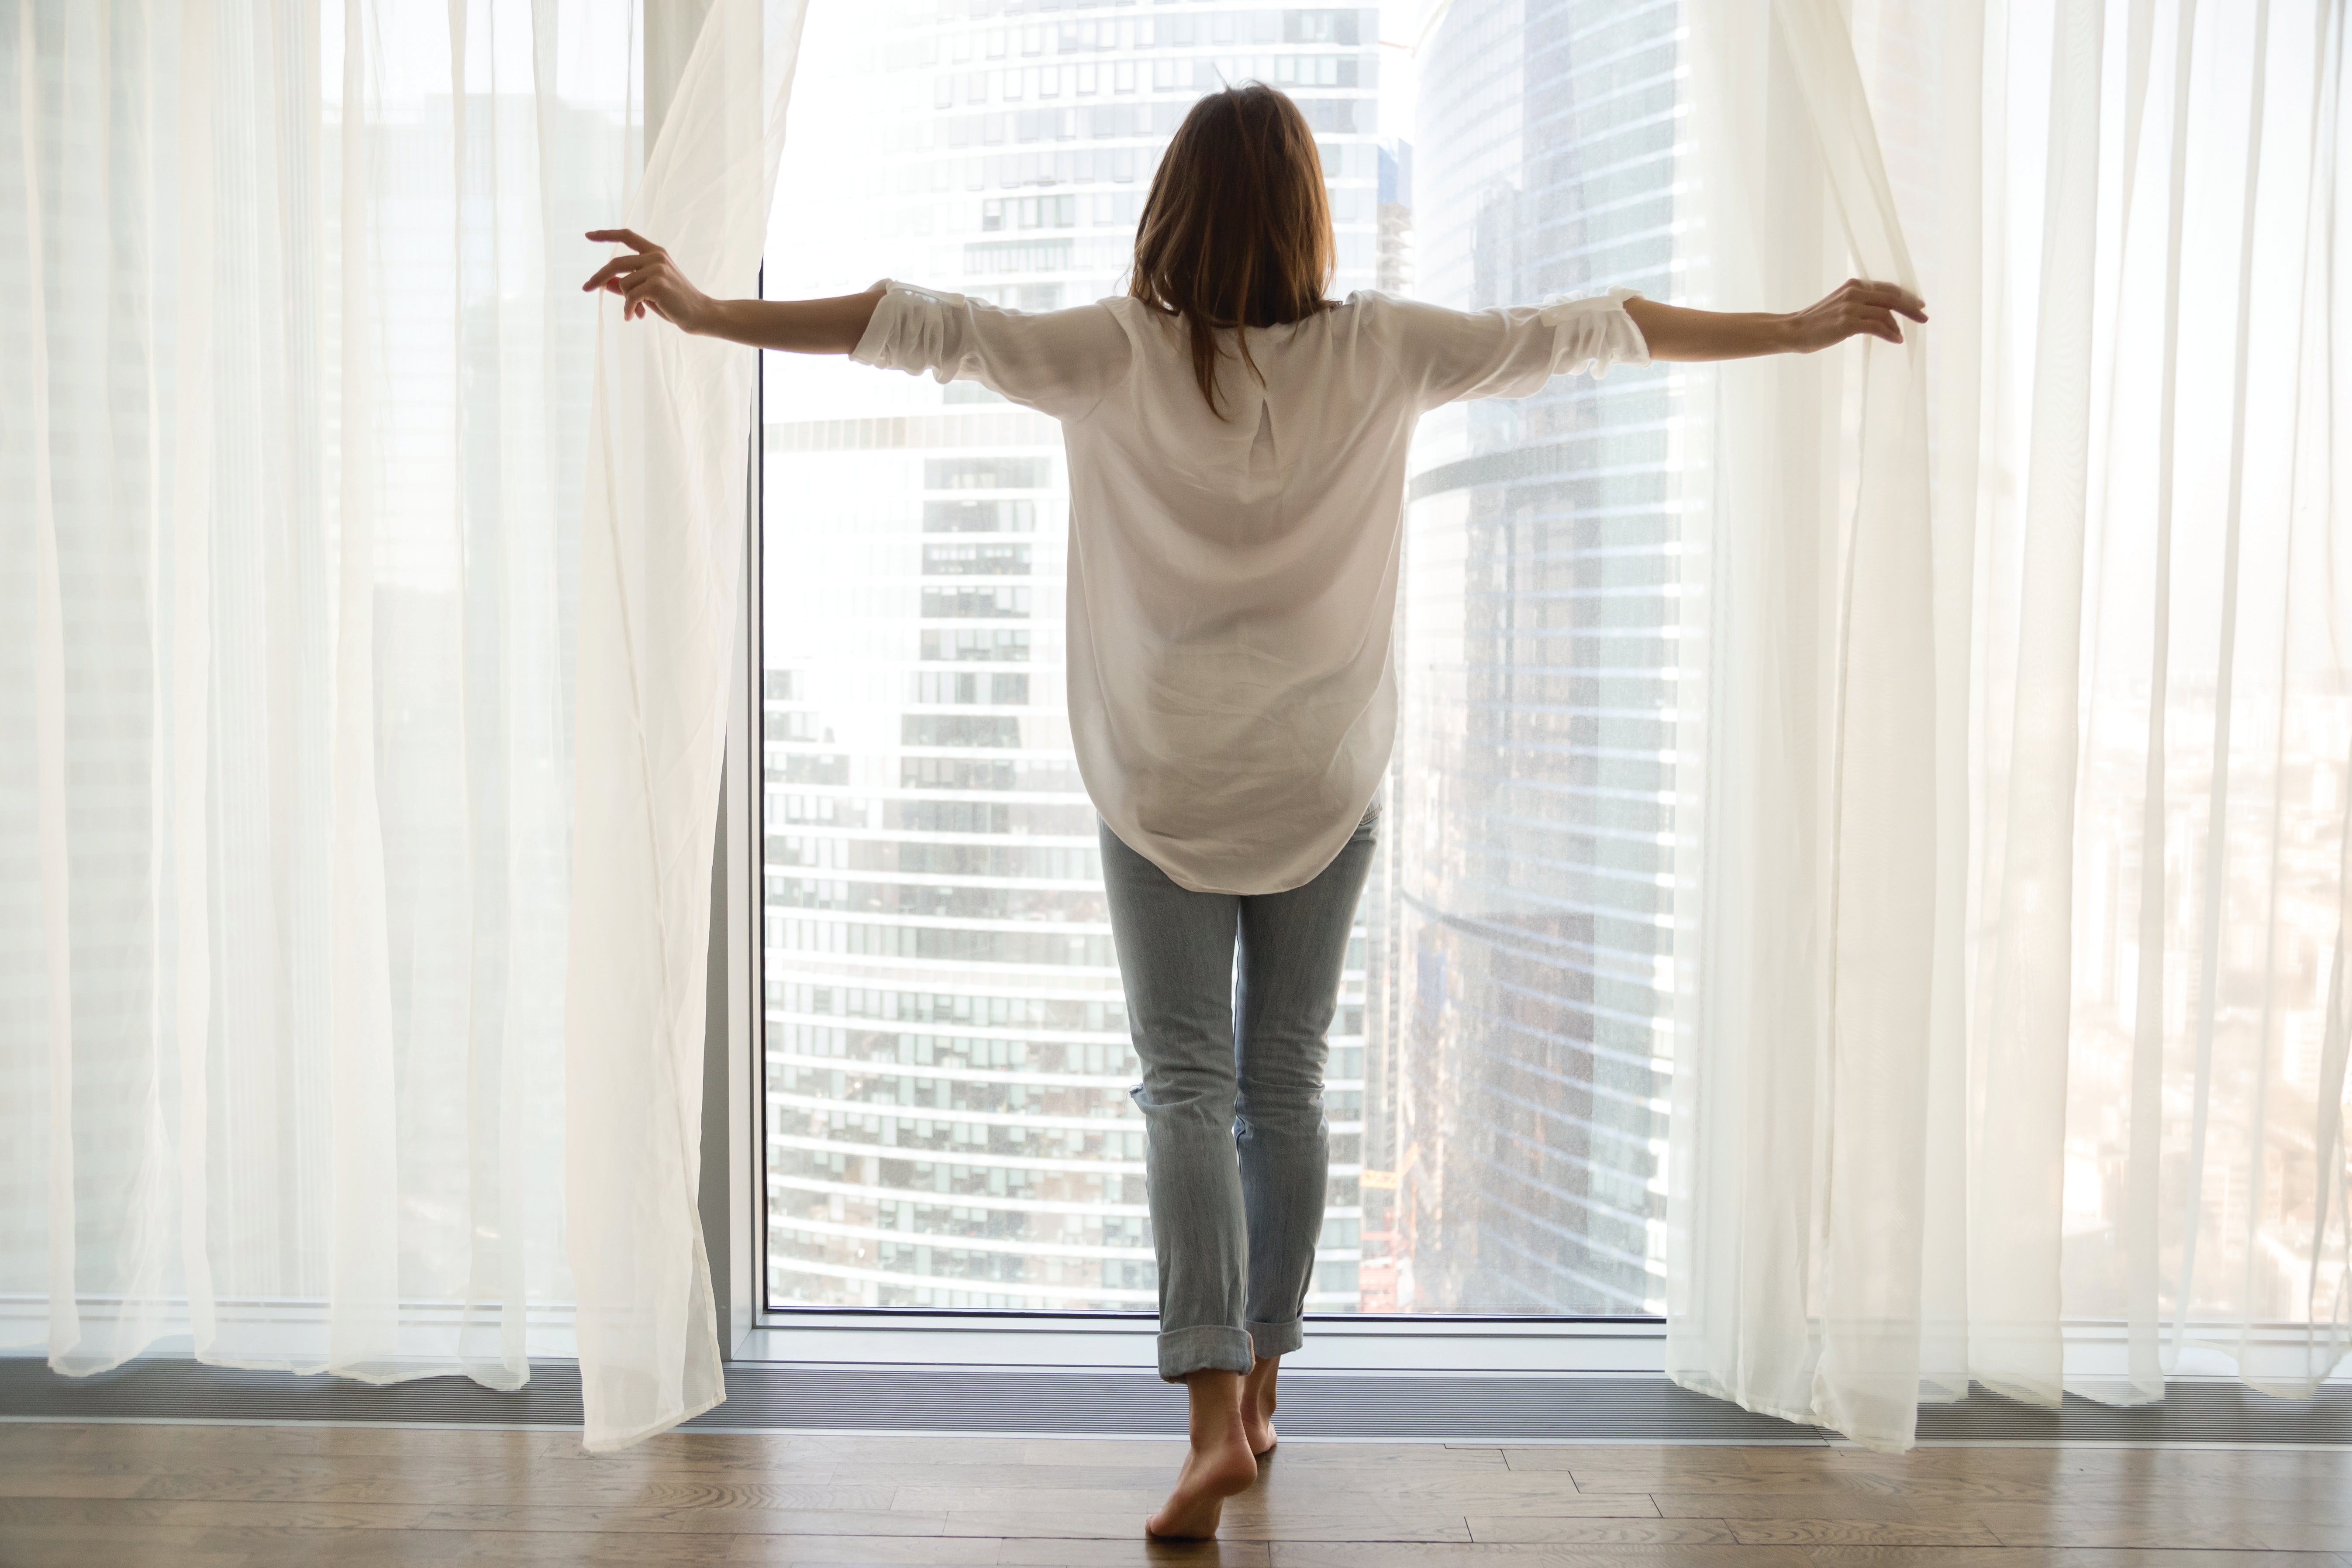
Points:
(1258, 1404)
(1218, 1466)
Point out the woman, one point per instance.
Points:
(1236, 448)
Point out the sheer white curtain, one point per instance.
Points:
(293, 467)
(661, 564)
(1817, 796)
(2014, 1050)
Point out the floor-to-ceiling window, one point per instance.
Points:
(1521, 1056)
(946, 1052)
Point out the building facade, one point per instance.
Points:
(1523, 983)
(947, 1052)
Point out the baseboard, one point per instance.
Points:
(1462, 1408)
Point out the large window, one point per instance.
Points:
(946, 1051)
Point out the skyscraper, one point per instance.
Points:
(1517, 1074)
(1394, 212)
(947, 1054)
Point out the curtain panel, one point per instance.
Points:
(364, 591)
(662, 552)
(2014, 840)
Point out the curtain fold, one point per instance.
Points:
(662, 551)
(1795, 1252)
(2013, 1047)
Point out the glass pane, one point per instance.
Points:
(1520, 1057)
(946, 1053)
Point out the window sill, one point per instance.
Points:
(1333, 1344)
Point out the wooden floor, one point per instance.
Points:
(213, 1496)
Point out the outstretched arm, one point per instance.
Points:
(649, 280)
(1855, 306)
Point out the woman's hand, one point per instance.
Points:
(1856, 305)
(648, 281)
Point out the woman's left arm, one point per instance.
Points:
(1857, 305)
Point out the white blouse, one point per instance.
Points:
(1233, 581)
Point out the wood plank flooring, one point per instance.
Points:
(259, 1497)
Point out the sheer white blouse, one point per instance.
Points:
(1233, 581)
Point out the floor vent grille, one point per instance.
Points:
(772, 1397)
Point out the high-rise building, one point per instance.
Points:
(947, 1052)
(1393, 210)
(1517, 1074)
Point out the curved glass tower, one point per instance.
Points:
(1515, 1132)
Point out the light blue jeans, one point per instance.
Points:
(1236, 1150)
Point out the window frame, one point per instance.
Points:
(735, 1174)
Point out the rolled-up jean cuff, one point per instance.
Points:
(1271, 1340)
(1212, 1347)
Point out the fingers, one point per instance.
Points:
(1898, 299)
(640, 295)
(1892, 295)
(1863, 305)
(619, 268)
(628, 236)
(1854, 317)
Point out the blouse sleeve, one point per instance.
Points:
(1057, 361)
(1512, 351)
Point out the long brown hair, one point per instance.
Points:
(1237, 229)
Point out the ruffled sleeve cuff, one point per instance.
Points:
(907, 329)
(1594, 332)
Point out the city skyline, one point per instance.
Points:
(946, 1051)
(933, 790)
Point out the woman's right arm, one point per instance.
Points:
(649, 280)
(1060, 362)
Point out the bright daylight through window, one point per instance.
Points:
(946, 1050)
